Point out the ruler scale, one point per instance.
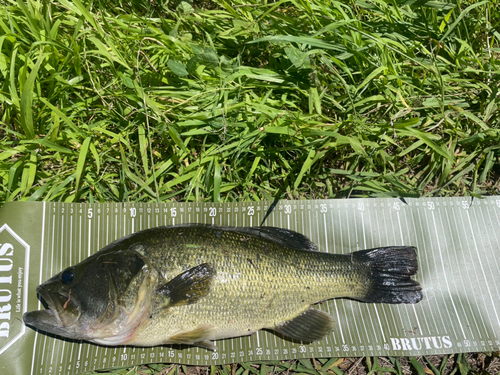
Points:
(458, 243)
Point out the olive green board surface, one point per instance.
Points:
(458, 242)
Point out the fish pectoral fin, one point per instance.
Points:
(311, 325)
(198, 336)
(188, 287)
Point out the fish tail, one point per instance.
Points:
(390, 272)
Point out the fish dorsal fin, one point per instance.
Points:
(188, 287)
(284, 237)
(311, 325)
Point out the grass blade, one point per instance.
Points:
(26, 119)
(80, 166)
(311, 157)
(217, 181)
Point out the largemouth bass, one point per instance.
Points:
(192, 284)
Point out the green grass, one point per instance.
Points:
(246, 100)
(167, 101)
(459, 364)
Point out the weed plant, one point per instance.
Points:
(158, 101)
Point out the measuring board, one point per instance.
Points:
(458, 242)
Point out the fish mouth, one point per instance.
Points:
(62, 310)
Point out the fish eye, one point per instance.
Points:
(68, 275)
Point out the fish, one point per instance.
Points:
(192, 284)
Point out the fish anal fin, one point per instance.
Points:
(198, 336)
(311, 325)
(188, 287)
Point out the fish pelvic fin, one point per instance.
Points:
(187, 287)
(207, 344)
(391, 269)
(198, 336)
(311, 325)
